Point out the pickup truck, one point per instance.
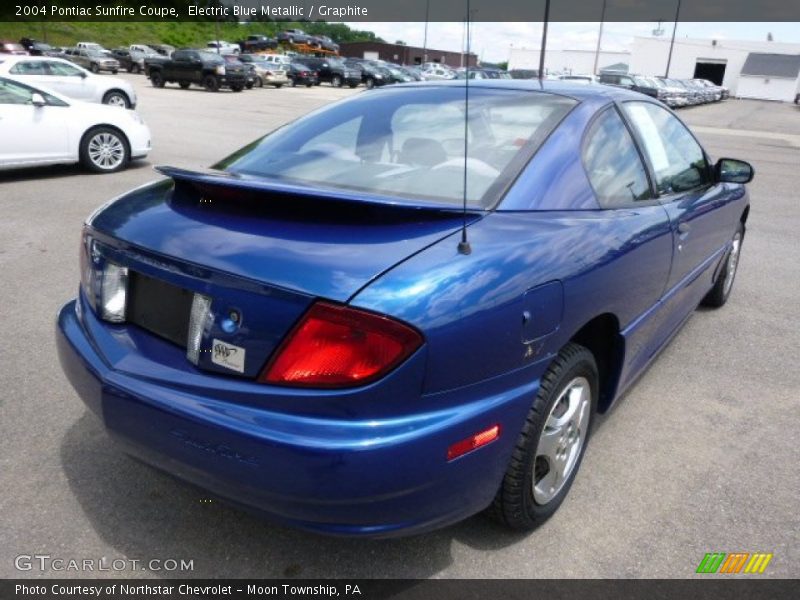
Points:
(188, 66)
(258, 43)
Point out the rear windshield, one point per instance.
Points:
(409, 142)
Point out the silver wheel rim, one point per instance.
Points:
(561, 440)
(117, 100)
(106, 151)
(732, 264)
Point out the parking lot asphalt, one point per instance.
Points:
(700, 456)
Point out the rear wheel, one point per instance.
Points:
(249, 85)
(156, 79)
(721, 291)
(184, 84)
(336, 81)
(104, 150)
(550, 448)
(116, 98)
(370, 83)
(237, 88)
(114, 71)
(95, 68)
(211, 83)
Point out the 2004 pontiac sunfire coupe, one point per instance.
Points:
(301, 329)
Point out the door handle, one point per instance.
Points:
(683, 227)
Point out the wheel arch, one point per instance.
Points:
(119, 90)
(601, 336)
(745, 215)
(108, 126)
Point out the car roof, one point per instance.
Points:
(14, 58)
(562, 87)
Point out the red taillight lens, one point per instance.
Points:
(339, 346)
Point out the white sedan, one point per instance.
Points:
(69, 79)
(41, 127)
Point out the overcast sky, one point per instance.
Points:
(491, 41)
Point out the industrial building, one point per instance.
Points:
(568, 61)
(407, 55)
(749, 69)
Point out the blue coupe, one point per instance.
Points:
(404, 308)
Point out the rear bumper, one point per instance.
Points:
(373, 477)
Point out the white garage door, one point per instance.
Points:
(772, 88)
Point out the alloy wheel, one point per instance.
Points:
(106, 151)
(561, 440)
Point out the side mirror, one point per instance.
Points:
(38, 100)
(731, 170)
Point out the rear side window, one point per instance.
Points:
(28, 68)
(677, 159)
(63, 69)
(614, 166)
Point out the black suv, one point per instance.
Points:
(630, 82)
(334, 71)
(371, 74)
(37, 48)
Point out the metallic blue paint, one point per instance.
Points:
(371, 460)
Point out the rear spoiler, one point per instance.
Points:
(223, 181)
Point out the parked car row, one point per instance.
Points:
(675, 93)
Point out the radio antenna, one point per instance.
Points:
(463, 245)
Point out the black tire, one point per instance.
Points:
(211, 83)
(117, 139)
(114, 71)
(157, 79)
(237, 88)
(336, 81)
(117, 98)
(184, 84)
(259, 82)
(719, 294)
(293, 83)
(515, 504)
(94, 68)
(352, 85)
(308, 85)
(249, 85)
(278, 86)
(370, 83)
(135, 68)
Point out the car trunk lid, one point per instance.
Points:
(259, 250)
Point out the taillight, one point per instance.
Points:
(104, 283)
(337, 346)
